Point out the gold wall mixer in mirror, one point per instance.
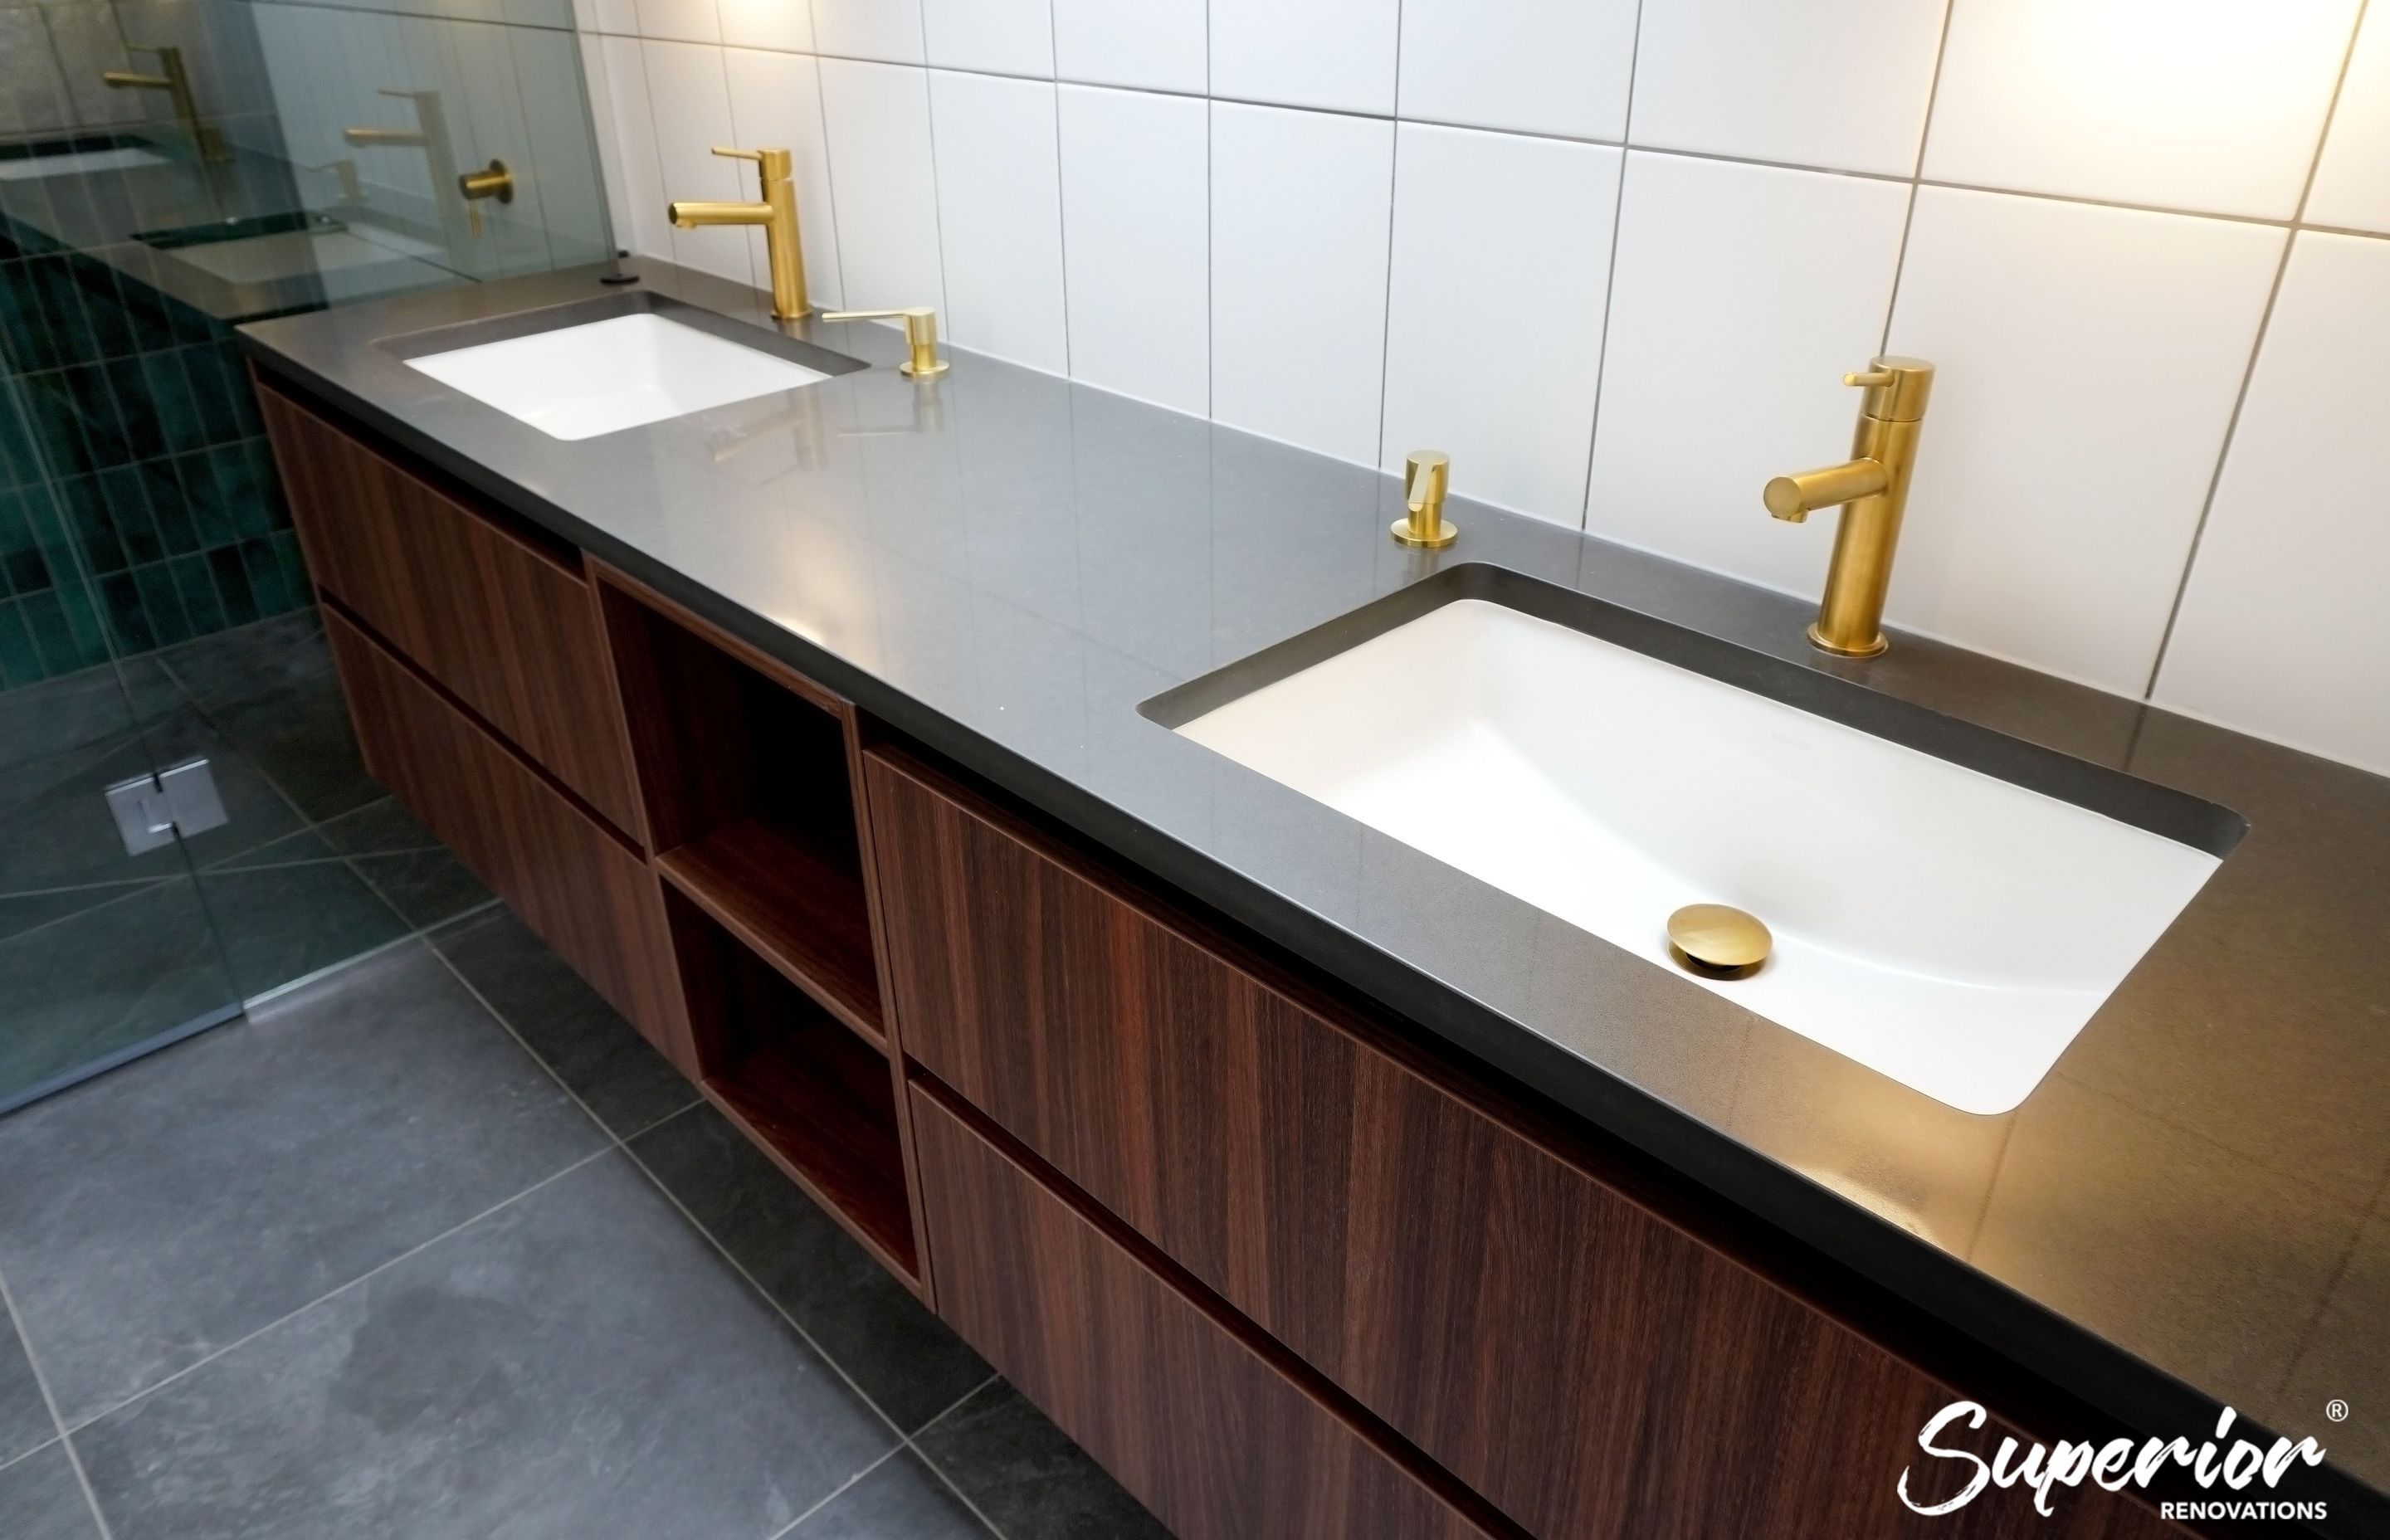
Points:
(1872, 487)
(776, 214)
(1426, 474)
(175, 81)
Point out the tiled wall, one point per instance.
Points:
(1614, 257)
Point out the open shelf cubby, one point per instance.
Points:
(750, 802)
(816, 1098)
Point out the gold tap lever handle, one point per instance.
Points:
(920, 335)
(1425, 476)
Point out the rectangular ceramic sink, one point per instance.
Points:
(601, 367)
(78, 162)
(1948, 906)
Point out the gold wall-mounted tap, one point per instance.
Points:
(920, 335)
(429, 135)
(492, 181)
(1426, 475)
(1872, 487)
(344, 171)
(175, 81)
(776, 214)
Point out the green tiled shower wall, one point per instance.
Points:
(150, 458)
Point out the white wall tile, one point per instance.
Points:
(775, 102)
(2088, 361)
(1300, 207)
(879, 158)
(681, 21)
(1136, 220)
(787, 25)
(2352, 185)
(2285, 627)
(1537, 66)
(690, 99)
(1156, 43)
(1507, 392)
(608, 134)
(1005, 37)
(619, 17)
(1000, 216)
(640, 225)
(889, 30)
(1840, 83)
(1306, 53)
(2213, 105)
(1727, 349)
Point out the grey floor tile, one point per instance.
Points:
(103, 981)
(271, 690)
(902, 1356)
(585, 1041)
(24, 1416)
(23, 912)
(83, 708)
(411, 870)
(291, 907)
(40, 1499)
(163, 1211)
(1026, 1476)
(577, 1363)
(902, 1499)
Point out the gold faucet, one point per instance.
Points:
(920, 335)
(429, 135)
(1425, 476)
(493, 181)
(1873, 484)
(173, 80)
(776, 214)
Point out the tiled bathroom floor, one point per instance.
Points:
(100, 950)
(436, 1246)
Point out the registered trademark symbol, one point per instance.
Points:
(2337, 1410)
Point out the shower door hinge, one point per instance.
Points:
(151, 809)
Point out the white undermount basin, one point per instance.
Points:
(81, 162)
(1939, 925)
(576, 382)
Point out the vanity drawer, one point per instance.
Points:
(1590, 1368)
(573, 881)
(499, 615)
(1204, 1429)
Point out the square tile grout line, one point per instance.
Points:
(189, 1369)
(907, 1443)
(50, 1403)
(621, 1142)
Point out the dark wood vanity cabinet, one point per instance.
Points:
(1284, 1271)
(499, 614)
(570, 878)
(1586, 1367)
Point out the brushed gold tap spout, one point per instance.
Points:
(175, 81)
(776, 214)
(429, 135)
(1872, 487)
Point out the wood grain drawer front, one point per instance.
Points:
(573, 882)
(1590, 1369)
(506, 625)
(1204, 1430)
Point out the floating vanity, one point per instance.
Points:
(1217, 958)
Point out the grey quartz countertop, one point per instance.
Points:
(2193, 1209)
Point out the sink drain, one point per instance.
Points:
(1717, 941)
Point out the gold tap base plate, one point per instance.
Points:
(1445, 535)
(1822, 644)
(932, 372)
